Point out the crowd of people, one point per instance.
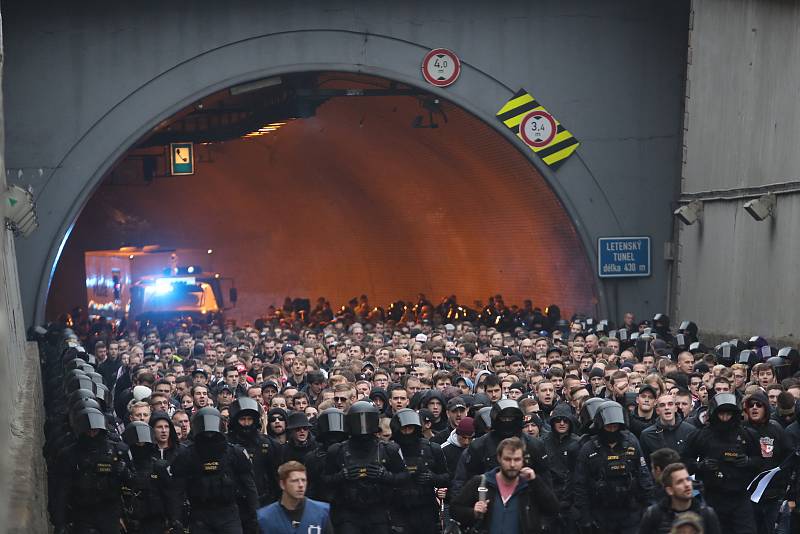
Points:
(417, 419)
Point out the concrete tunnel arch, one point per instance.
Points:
(161, 97)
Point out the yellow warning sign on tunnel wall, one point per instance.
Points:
(537, 128)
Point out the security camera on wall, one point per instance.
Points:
(690, 213)
(762, 207)
(19, 211)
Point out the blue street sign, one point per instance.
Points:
(621, 257)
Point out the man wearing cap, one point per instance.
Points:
(644, 415)
(457, 442)
(456, 411)
(300, 441)
(669, 431)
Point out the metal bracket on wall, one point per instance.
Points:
(741, 193)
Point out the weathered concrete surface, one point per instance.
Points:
(22, 484)
(736, 276)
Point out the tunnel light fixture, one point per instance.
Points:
(20, 211)
(762, 207)
(267, 128)
(690, 213)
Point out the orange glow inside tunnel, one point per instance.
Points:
(352, 200)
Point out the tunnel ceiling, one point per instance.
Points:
(359, 194)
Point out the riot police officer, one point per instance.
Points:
(415, 508)
(363, 471)
(215, 476)
(150, 502)
(244, 429)
(562, 452)
(481, 455)
(330, 430)
(88, 478)
(612, 483)
(729, 457)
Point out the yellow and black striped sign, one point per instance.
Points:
(559, 148)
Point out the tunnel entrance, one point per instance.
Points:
(338, 184)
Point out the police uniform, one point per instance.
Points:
(263, 451)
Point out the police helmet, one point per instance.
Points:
(362, 419)
(78, 382)
(297, 420)
(405, 417)
(661, 323)
(88, 419)
(483, 421)
(688, 328)
(206, 420)
(781, 366)
(138, 432)
(104, 396)
(588, 411)
(79, 394)
(748, 358)
(726, 353)
(723, 402)
(77, 363)
(608, 413)
(331, 421)
(245, 406)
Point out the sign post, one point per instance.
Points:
(623, 257)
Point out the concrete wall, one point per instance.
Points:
(22, 496)
(84, 83)
(737, 276)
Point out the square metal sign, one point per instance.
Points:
(181, 158)
(623, 257)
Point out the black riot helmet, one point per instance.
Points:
(608, 413)
(688, 329)
(206, 421)
(661, 324)
(96, 377)
(138, 432)
(88, 419)
(75, 374)
(587, 413)
(245, 406)
(724, 402)
(781, 366)
(78, 382)
(405, 417)
(362, 419)
(77, 363)
(483, 421)
(104, 396)
(79, 394)
(507, 418)
(748, 358)
(792, 356)
(71, 353)
(726, 353)
(330, 425)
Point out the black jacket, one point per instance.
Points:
(658, 518)
(658, 436)
(539, 501)
(637, 424)
(776, 446)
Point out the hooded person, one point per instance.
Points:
(167, 444)
(435, 402)
(562, 448)
(244, 429)
(276, 424)
(152, 502)
(776, 446)
(300, 441)
(458, 441)
(506, 421)
(726, 456)
(612, 484)
(415, 509)
(380, 399)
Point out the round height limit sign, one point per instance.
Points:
(441, 67)
(538, 128)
